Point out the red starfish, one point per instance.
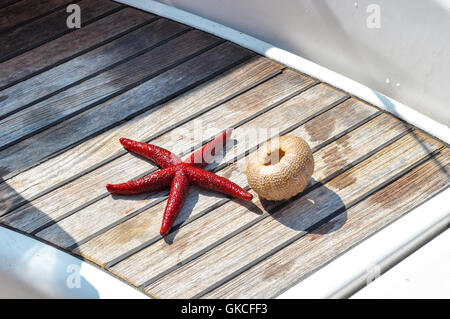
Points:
(179, 174)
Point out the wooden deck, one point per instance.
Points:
(67, 96)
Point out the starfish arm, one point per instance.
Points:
(208, 180)
(205, 155)
(155, 181)
(159, 155)
(178, 193)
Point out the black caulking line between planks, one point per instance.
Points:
(21, 24)
(90, 76)
(317, 224)
(111, 96)
(106, 194)
(62, 33)
(108, 97)
(121, 153)
(218, 168)
(352, 246)
(161, 199)
(164, 197)
(64, 60)
(127, 118)
(272, 211)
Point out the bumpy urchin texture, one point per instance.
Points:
(281, 168)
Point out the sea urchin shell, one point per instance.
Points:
(281, 168)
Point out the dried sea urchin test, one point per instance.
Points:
(281, 168)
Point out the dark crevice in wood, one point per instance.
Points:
(317, 224)
(225, 165)
(60, 34)
(199, 253)
(106, 194)
(272, 211)
(113, 95)
(49, 67)
(352, 246)
(121, 153)
(9, 29)
(92, 75)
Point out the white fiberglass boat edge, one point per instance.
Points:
(348, 273)
(296, 62)
(32, 269)
(362, 264)
(422, 275)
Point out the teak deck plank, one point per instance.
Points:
(93, 152)
(229, 218)
(123, 107)
(72, 44)
(296, 217)
(74, 74)
(30, 35)
(207, 228)
(127, 73)
(25, 10)
(320, 95)
(180, 140)
(102, 87)
(290, 265)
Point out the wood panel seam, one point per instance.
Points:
(152, 137)
(21, 51)
(281, 205)
(300, 279)
(317, 224)
(110, 96)
(232, 161)
(64, 60)
(106, 194)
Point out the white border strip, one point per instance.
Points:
(361, 265)
(298, 63)
(423, 275)
(32, 269)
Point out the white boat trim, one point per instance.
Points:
(423, 275)
(390, 245)
(296, 62)
(362, 264)
(32, 269)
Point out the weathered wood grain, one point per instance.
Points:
(135, 232)
(286, 267)
(105, 146)
(101, 87)
(196, 236)
(37, 32)
(110, 245)
(69, 45)
(25, 10)
(320, 96)
(86, 66)
(217, 250)
(5, 3)
(77, 226)
(294, 218)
